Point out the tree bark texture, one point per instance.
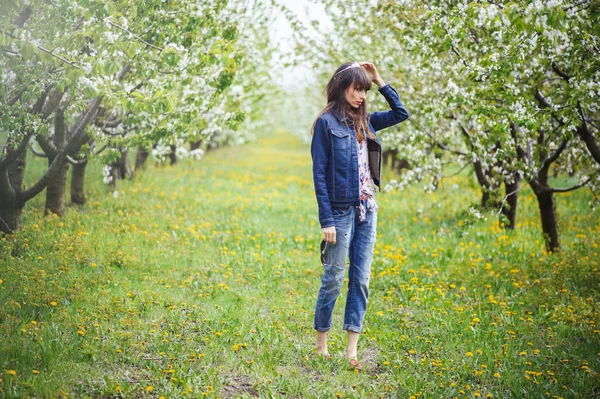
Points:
(10, 205)
(194, 145)
(78, 183)
(173, 155)
(510, 209)
(57, 184)
(141, 157)
(547, 208)
(55, 190)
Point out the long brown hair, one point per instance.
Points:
(336, 98)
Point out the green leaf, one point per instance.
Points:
(137, 95)
(110, 67)
(97, 68)
(28, 51)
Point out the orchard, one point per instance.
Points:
(159, 232)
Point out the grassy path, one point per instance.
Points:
(200, 280)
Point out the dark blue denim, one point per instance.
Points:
(334, 154)
(356, 239)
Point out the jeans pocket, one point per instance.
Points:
(340, 210)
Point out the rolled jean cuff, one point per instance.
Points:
(350, 327)
(322, 329)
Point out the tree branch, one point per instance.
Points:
(134, 35)
(34, 190)
(510, 194)
(586, 136)
(11, 156)
(560, 73)
(72, 63)
(47, 146)
(435, 141)
(18, 95)
(23, 17)
(514, 129)
(566, 190)
(36, 152)
(555, 155)
(74, 161)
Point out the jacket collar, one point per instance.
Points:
(340, 117)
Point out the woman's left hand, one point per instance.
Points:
(371, 70)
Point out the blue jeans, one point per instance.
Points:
(356, 239)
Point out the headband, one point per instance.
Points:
(353, 65)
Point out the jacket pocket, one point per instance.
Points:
(341, 147)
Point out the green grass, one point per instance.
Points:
(201, 280)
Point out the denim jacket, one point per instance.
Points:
(335, 160)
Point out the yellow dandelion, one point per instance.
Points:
(53, 303)
(149, 388)
(469, 354)
(12, 372)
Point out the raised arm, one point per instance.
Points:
(319, 150)
(398, 113)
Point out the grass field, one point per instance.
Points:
(200, 280)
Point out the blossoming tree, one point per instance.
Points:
(83, 77)
(510, 87)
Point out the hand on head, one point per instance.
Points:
(371, 70)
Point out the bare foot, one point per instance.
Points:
(354, 363)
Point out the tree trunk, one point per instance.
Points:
(194, 145)
(12, 169)
(510, 209)
(547, 207)
(10, 216)
(485, 197)
(489, 194)
(173, 155)
(114, 175)
(385, 157)
(124, 167)
(10, 206)
(393, 159)
(55, 190)
(402, 164)
(77, 183)
(57, 184)
(141, 157)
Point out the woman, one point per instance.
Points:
(346, 158)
